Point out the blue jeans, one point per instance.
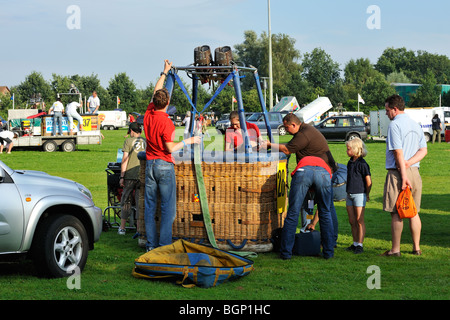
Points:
(57, 115)
(303, 179)
(334, 218)
(159, 181)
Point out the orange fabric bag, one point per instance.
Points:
(406, 207)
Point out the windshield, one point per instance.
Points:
(254, 117)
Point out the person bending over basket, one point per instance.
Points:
(315, 166)
(160, 172)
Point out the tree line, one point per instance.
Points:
(305, 76)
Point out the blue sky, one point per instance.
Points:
(136, 36)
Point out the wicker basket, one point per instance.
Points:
(242, 199)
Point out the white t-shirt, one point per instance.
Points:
(93, 102)
(58, 107)
(72, 107)
(6, 134)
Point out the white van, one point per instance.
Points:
(379, 121)
(111, 120)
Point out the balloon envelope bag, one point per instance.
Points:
(191, 264)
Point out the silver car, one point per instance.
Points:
(49, 219)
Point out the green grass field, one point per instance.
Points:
(108, 271)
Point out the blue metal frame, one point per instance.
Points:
(173, 77)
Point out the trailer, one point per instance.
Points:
(52, 143)
(35, 130)
(379, 121)
(113, 119)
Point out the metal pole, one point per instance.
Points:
(270, 62)
(195, 81)
(263, 105)
(240, 109)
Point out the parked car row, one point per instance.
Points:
(275, 121)
(224, 121)
(340, 128)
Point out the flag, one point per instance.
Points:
(118, 100)
(12, 97)
(360, 99)
(234, 99)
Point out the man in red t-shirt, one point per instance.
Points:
(160, 172)
(233, 134)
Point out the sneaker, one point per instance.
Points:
(358, 249)
(121, 232)
(351, 248)
(149, 248)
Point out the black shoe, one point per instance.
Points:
(351, 248)
(358, 249)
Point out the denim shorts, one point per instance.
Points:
(356, 199)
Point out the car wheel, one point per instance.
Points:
(427, 137)
(60, 246)
(282, 130)
(352, 136)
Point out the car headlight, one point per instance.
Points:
(84, 190)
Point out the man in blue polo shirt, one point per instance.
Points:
(405, 148)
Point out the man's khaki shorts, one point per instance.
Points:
(393, 187)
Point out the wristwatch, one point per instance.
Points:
(162, 73)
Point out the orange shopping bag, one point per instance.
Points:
(406, 207)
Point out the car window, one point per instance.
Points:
(330, 123)
(343, 122)
(359, 122)
(273, 117)
(254, 117)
